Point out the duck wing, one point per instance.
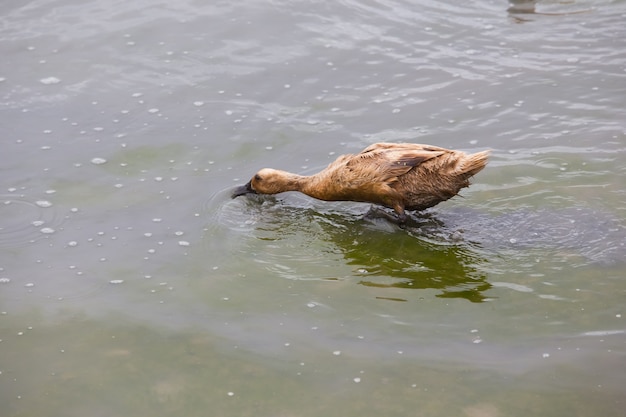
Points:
(385, 162)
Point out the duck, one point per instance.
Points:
(400, 176)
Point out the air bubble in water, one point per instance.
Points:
(43, 203)
(49, 80)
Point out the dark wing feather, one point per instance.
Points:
(384, 163)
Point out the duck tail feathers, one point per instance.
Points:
(474, 163)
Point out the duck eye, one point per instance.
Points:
(257, 177)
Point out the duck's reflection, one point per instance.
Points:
(424, 254)
(385, 256)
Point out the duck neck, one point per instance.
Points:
(317, 186)
(294, 182)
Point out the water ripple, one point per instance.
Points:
(576, 235)
(23, 221)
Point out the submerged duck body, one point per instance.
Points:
(400, 176)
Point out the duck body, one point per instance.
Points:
(400, 176)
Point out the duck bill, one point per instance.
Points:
(242, 190)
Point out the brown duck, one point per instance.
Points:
(401, 176)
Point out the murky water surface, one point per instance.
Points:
(131, 284)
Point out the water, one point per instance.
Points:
(130, 282)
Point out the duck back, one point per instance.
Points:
(439, 179)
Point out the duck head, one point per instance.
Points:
(268, 181)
